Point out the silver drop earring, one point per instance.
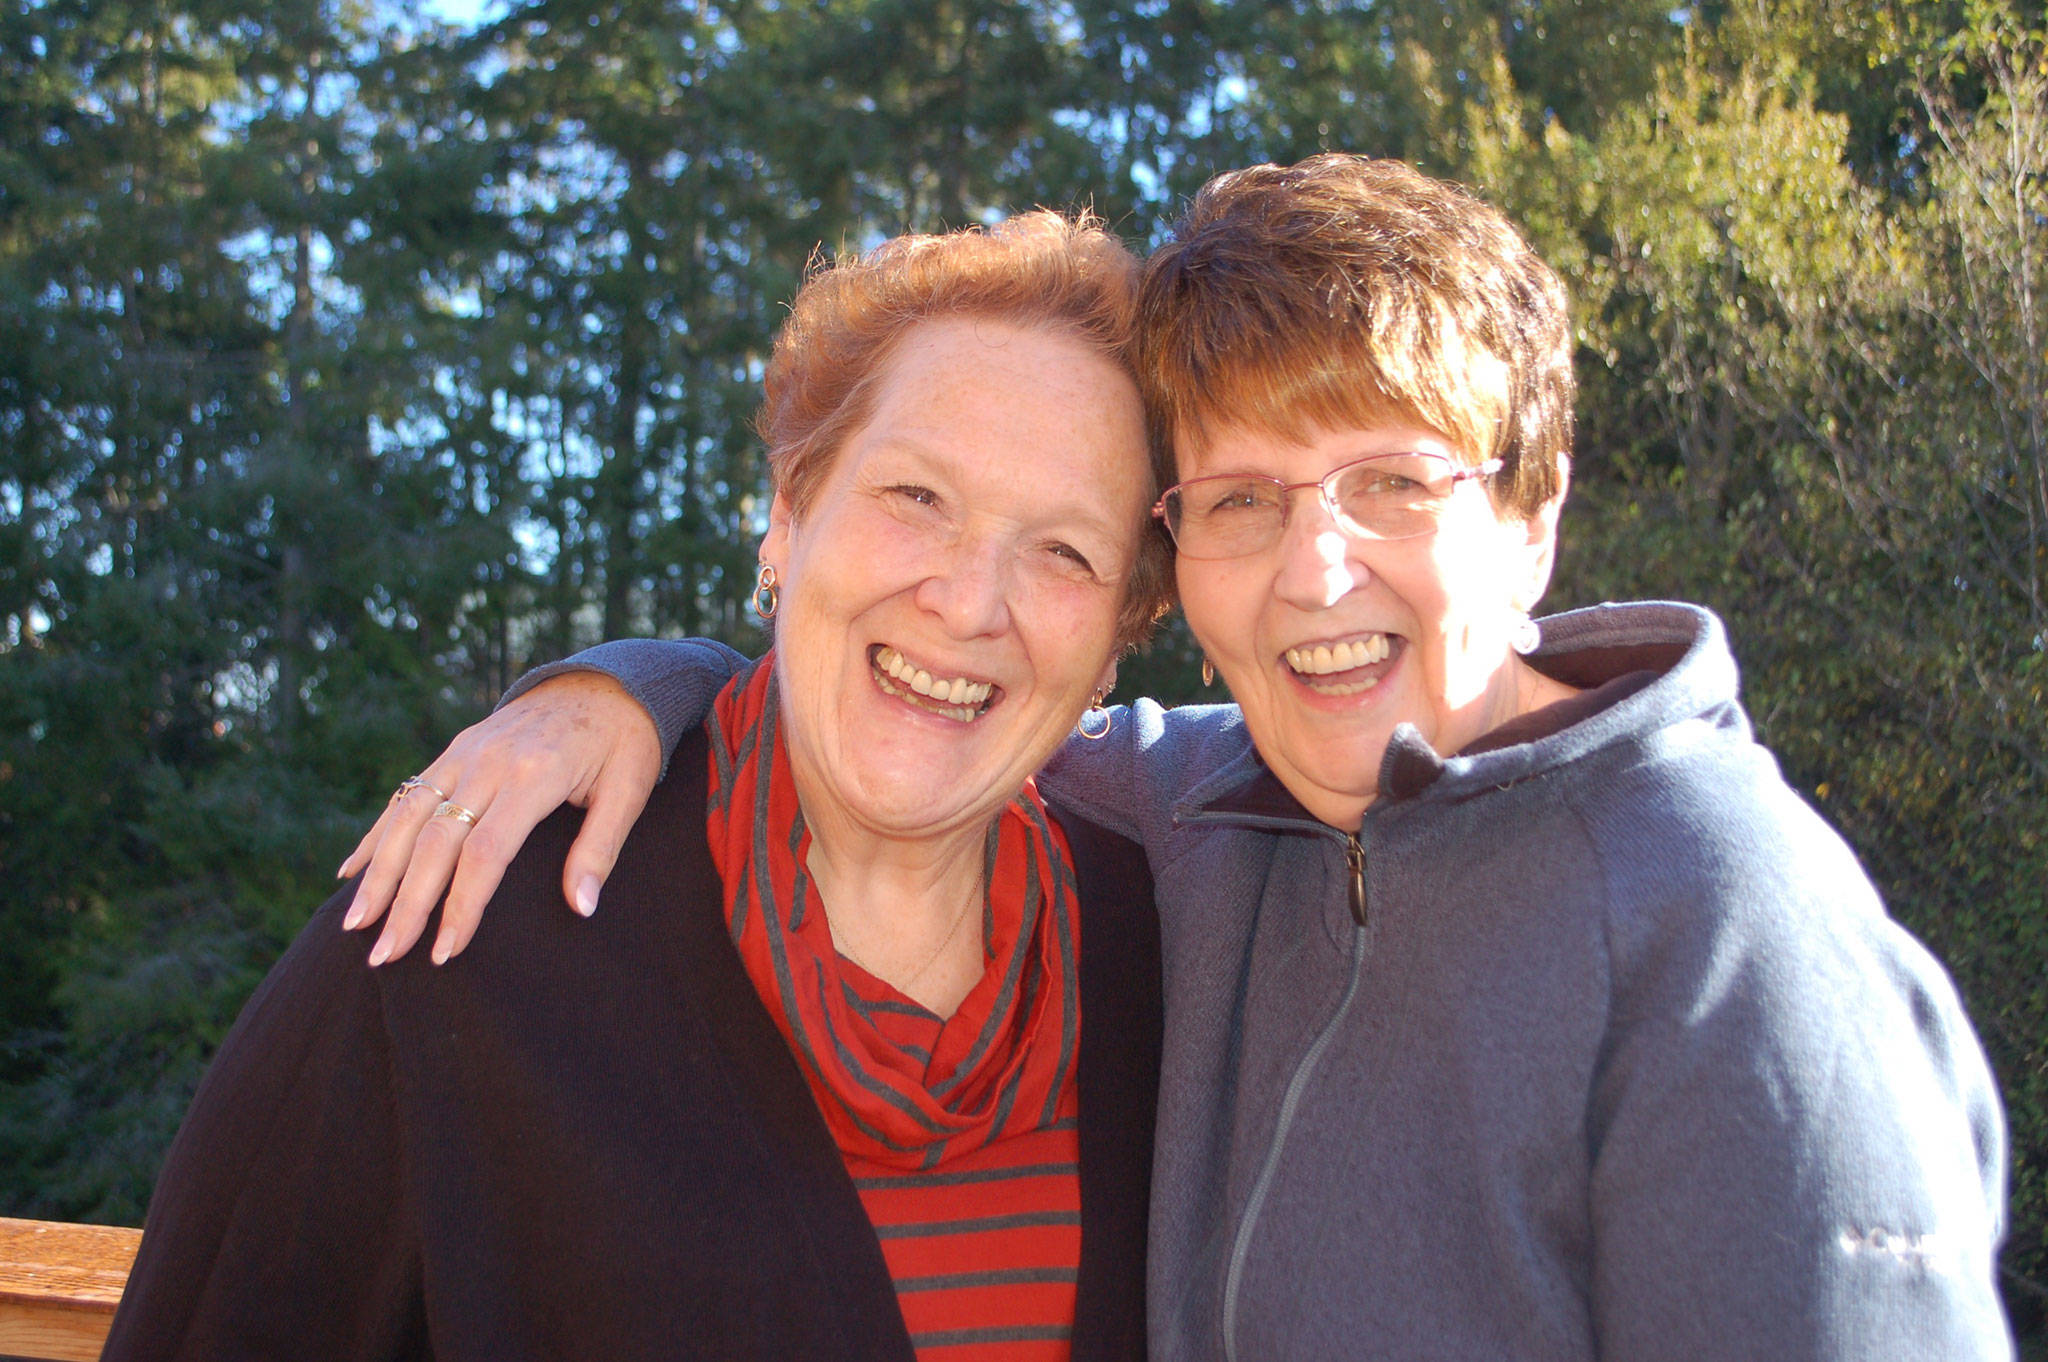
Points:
(1526, 637)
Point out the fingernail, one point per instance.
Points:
(586, 895)
(441, 952)
(381, 952)
(354, 917)
(341, 871)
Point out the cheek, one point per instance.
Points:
(1468, 583)
(1213, 599)
(1073, 623)
(1471, 613)
(857, 558)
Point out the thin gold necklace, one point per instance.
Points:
(931, 960)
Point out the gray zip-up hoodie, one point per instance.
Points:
(1596, 1045)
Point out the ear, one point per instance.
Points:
(775, 544)
(1539, 548)
(1107, 681)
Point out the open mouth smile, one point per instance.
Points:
(1344, 667)
(960, 698)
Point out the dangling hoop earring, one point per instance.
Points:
(1526, 637)
(766, 597)
(1094, 721)
(1208, 671)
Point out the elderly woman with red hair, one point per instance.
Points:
(860, 1061)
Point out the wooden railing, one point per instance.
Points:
(59, 1285)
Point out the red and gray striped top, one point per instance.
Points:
(960, 1134)
(984, 1248)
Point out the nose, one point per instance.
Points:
(1317, 567)
(968, 588)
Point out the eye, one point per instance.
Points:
(1074, 556)
(910, 491)
(1382, 482)
(1236, 496)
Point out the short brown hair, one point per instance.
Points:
(1343, 292)
(1039, 268)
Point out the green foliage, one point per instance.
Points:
(350, 363)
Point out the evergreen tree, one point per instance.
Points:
(351, 362)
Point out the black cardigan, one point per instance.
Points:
(584, 1139)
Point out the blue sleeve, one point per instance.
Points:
(675, 680)
(1797, 1147)
(1152, 761)
(1130, 781)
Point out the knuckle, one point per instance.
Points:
(402, 923)
(441, 834)
(487, 844)
(525, 767)
(380, 876)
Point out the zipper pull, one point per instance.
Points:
(1354, 856)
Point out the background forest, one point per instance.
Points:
(353, 358)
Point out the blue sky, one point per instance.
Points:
(458, 11)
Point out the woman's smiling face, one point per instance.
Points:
(950, 596)
(1329, 641)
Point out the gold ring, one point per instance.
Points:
(450, 809)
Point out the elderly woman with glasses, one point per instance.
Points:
(1515, 1006)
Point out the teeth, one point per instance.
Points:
(1325, 659)
(960, 697)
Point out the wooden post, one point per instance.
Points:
(59, 1285)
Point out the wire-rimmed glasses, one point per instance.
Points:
(1384, 496)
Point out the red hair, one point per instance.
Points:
(1037, 269)
(1344, 292)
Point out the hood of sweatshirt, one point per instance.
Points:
(1641, 667)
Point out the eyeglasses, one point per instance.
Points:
(1386, 496)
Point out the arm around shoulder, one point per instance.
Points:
(1131, 780)
(675, 680)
